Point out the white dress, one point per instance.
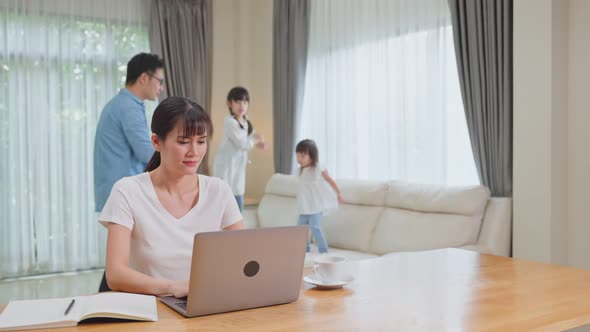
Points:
(230, 161)
(314, 194)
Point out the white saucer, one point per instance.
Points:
(315, 280)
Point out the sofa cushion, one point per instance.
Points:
(363, 192)
(405, 230)
(350, 226)
(353, 191)
(277, 211)
(283, 185)
(468, 201)
(250, 216)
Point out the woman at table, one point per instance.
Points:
(152, 217)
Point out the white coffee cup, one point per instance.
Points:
(332, 269)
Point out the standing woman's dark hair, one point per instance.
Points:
(238, 94)
(173, 111)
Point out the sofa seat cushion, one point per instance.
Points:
(405, 230)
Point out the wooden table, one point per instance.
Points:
(440, 290)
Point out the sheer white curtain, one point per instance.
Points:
(60, 62)
(382, 97)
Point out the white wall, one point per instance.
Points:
(551, 76)
(532, 146)
(242, 55)
(559, 116)
(579, 134)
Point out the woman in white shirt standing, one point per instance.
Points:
(152, 217)
(238, 139)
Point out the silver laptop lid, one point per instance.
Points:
(241, 269)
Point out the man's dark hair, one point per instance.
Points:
(142, 63)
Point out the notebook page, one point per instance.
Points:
(120, 305)
(39, 313)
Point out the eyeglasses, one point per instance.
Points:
(161, 80)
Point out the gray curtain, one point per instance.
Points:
(482, 30)
(181, 32)
(290, 36)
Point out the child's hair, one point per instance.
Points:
(308, 147)
(237, 94)
(178, 110)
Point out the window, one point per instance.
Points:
(57, 70)
(382, 97)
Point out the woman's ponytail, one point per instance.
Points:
(153, 163)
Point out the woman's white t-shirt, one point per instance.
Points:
(314, 194)
(162, 245)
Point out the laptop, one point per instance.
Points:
(243, 269)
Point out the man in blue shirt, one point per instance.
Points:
(122, 145)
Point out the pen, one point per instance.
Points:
(69, 307)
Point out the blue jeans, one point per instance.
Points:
(240, 201)
(313, 220)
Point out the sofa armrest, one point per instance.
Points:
(496, 229)
(250, 215)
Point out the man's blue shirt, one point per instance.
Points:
(122, 146)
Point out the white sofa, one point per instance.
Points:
(380, 217)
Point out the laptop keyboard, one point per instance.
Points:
(181, 305)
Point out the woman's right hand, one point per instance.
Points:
(179, 288)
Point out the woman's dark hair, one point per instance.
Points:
(238, 94)
(178, 110)
(142, 63)
(309, 147)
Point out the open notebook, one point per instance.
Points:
(48, 313)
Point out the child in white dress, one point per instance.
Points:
(314, 196)
(238, 138)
